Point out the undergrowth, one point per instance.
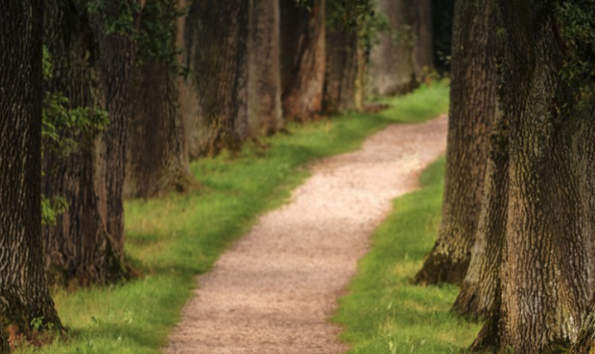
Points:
(173, 239)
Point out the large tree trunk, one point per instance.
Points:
(342, 69)
(546, 273)
(264, 72)
(24, 294)
(303, 53)
(85, 243)
(157, 160)
(216, 38)
(404, 51)
(472, 112)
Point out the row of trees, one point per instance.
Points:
(103, 100)
(518, 222)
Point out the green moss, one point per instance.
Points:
(173, 239)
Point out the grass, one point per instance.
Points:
(173, 239)
(383, 312)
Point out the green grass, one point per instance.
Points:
(383, 312)
(173, 239)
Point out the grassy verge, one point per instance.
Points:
(383, 312)
(175, 238)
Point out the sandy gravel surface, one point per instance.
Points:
(276, 288)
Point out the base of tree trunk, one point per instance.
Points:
(439, 268)
(468, 303)
(487, 339)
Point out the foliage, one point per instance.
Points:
(576, 22)
(172, 239)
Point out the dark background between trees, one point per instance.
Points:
(106, 100)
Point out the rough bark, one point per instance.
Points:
(342, 67)
(404, 51)
(157, 160)
(303, 54)
(472, 112)
(264, 72)
(547, 260)
(216, 38)
(24, 294)
(85, 244)
(480, 288)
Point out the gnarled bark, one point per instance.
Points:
(472, 112)
(24, 295)
(303, 53)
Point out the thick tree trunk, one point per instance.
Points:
(24, 294)
(303, 53)
(480, 289)
(547, 260)
(264, 72)
(404, 50)
(342, 69)
(216, 38)
(472, 112)
(157, 160)
(85, 244)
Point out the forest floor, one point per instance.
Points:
(275, 289)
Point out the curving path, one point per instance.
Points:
(276, 288)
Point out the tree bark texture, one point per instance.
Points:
(85, 245)
(264, 73)
(404, 50)
(216, 43)
(303, 58)
(157, 160)
(546, 273)
(340, 84)
(24, 294)
(472, 112)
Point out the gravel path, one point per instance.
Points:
(276, 288)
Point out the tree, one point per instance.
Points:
(24, 295)
(350, 27)
(264, 69)
(546, 96)
(472, 112)
(404, 51)
(157, 160)
(90, 70)
(303, 54)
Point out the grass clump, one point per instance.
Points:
(173, 239)
(383, 312)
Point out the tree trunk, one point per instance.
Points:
(264, 72)
(472, 112)
(303, 54)
(546, 273)
(85, 245)
(157, 160)
(24, 294)
(341, 69)
(480, 288)
(216, 37)
(404, 50)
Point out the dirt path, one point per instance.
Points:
(275, 289)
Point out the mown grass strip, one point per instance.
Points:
(175, 238)
(383, 312)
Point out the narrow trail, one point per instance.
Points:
(276, 288)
